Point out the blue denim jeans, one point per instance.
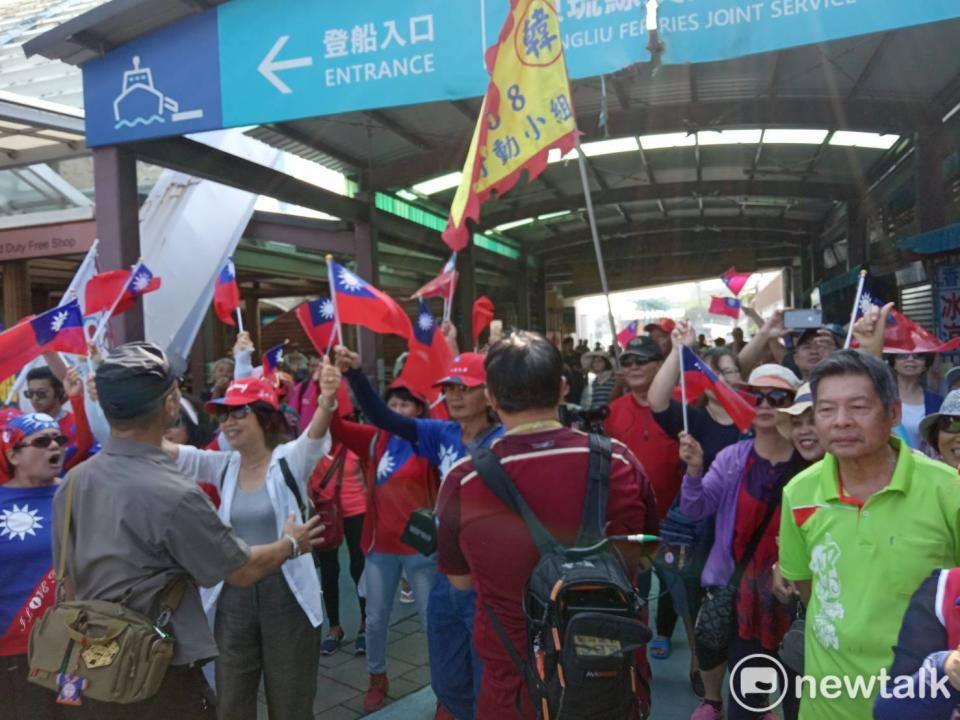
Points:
(455, 667)
(382, 576)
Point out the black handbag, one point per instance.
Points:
(716, 620)
(791, 649)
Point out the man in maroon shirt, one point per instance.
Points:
(484, 545)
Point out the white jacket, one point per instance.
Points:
(302, 456)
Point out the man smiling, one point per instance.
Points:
(861, 529)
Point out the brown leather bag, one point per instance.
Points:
(331, 511)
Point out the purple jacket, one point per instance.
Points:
(716, 494)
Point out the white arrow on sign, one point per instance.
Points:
(269, 66)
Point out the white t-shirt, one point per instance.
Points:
(912, 415)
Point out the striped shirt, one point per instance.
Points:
(480, 536)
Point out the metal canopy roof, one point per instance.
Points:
(759, 203)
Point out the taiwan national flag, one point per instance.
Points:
(226, 294)
(700, 378)
(318, 322)
(902, 334)
(359, 303)
(444, 284)
(104, 288)
(483, 311)
(429, 356)
(628, 333)
(397, 454)
(734, 280)
(56, 330)
(725, 306)
(272, 359)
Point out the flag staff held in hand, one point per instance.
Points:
(333, 299)
(856, 305)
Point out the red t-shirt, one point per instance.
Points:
(393, 496)
(353, 492)
(635, 426)
(479, 536)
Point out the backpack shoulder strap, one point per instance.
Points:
(594, 518)
(292, 484)
(335, 467)
(65, 532)
(490, 470)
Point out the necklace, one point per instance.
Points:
(255, 466)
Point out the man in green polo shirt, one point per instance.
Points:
(860, 531)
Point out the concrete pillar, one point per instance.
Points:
(523, 293)
(16, 292)
(369, 344)
(930, 209)
(858, 244)
(118, 225)
(251, 318)
(466, 294)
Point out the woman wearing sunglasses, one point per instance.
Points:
(31, 451)
(941, 430)
(272, 628)
(742, 491)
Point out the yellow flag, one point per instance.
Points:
(528, 109)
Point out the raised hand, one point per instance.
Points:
(346, 359)
(243, 343)
(327, 376)
(869, 329)
(692, 454)
(73, 383)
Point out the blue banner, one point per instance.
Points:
(258, 61)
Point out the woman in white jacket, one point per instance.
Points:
(272, 628)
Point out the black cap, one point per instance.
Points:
(131, 378)
(644, 346)
(832, 328)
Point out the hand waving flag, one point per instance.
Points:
(359, 303)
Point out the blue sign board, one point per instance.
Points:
(257, 61)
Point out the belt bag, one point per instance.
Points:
(120, 655)
(421, 532)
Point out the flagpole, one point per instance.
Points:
(581, 159)
(856, 305)
(683, 390)
(239, 321)
(333, 299)
(448, 301)
(101, 328)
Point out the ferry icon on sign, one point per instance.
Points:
(140, 103)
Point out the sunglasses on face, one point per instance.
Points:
(43, 442)
(949, 424)
(36, 394)
(775, 398)
(911, 356)
(634, 361)
(237, 413)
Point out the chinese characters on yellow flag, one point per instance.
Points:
(527, 110)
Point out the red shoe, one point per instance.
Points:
(377, 692)
(443, 714)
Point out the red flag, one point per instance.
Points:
(482, 316)
(429, 355)
(357, 302)
(902, 334)
(56, 330)
(226, 294)
(443, 285)
(317, 320)
(699, 378)
(628, 333)
(735, 280)
(725, 306)
(103, 289)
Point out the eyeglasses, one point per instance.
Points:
(775, 398)
(237, 413)
(634, 361)
(949, 424)
(36, 394)
(43, 442)
(910, 356)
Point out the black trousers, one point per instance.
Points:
(184, 695)
(22, 700)
(329, 564)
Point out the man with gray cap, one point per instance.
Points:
(137, 524)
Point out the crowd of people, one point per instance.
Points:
(824, 532)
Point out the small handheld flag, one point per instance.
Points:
(735, 281)
(429, 355)
(272, 359)
(698, 378)
(357, 302)
(226, 294)
(901, 334)
(318, 320)
(483, 311)
(725, 306)
(628, 333)
(56, 330)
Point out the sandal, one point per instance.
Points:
(660, 648)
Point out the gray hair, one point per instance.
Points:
(851, 362)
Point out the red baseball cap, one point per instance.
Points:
(400, 383)
(666, 324)
(466, 369)
(245, 392)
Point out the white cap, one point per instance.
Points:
(773, 375)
